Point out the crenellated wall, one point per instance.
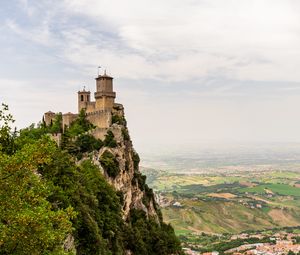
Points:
(100, 118)
(98, 112)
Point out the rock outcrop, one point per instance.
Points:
(128, 181)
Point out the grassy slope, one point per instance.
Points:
(221, 215)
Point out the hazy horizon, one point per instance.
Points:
(186, 71)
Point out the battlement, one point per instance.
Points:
(98, 112)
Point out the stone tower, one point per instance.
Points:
(104, 95)
(98, 112)
(49, 117)
(84, 99)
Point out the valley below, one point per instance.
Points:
(211, 206)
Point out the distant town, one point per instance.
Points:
(281, 243)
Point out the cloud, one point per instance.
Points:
(199, 39)
(205, 69)
(173, 40)
(40, 34)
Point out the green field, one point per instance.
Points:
(276, 188)
(232, 203)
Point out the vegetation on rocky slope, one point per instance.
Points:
(48, 195)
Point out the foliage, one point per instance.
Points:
(46, 194)
(28, 223)
(79, 126)
(6, 134)
(110, 164)
(149, 196)
(98, 223)
(56, 126)
(118, 120)
(136, 161)
(109, 140)
(125, 134)
(227, 245)
(148, 238)
(141, 180)
(88, 143)
(76, 140)
(30, 134)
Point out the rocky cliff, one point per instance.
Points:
(128, 180)
(94, 185)
(81, 195)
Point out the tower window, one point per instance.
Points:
(88, 98)
(81, 98)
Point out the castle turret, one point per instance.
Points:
(105, 96)
(49, 117)
(84, 98)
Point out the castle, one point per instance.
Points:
(98, 112)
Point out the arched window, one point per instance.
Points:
(81, 98)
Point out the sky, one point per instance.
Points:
(188, 71)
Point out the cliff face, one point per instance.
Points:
(116, 210)
(128, 181)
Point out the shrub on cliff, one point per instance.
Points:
(88, 143)
(110, 164)
(147, 237)
(109, 140)
(136, 161)
(118, 120)
(98, 225)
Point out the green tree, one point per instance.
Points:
(56, 126)
(6, 134)
(80, 125)
(110, 164)
(28, 223)
(98, 225)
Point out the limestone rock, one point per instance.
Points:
(126, 181)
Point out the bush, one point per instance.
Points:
(40, 216)
(141, 179)
(7, 144)
(56, 126)
(120, 120)
(109, 140)
(148, 196)
(98, 225)
(88, 143)
(147, 237)
(125, 134)
(136, 161)
(110, 164)
(79, 126)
